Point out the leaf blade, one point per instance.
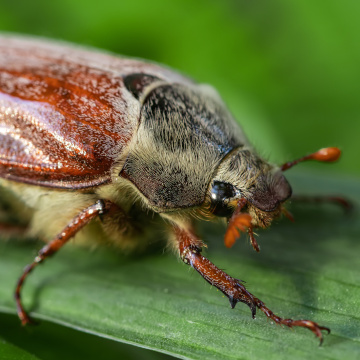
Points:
(158, 303)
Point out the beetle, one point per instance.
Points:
(85, 134)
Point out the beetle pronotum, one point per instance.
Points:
(84, 133)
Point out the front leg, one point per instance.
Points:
(190, 252)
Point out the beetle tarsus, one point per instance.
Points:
(231, 287)
(311, 325)
(26, 319)
(23, 315)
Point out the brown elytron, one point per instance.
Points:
(52, 98)
(85, 133)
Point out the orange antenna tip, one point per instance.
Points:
(329, 154)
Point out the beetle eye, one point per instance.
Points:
(220, 195)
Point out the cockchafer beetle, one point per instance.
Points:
(85, 134)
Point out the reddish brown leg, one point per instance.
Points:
(337, 200)
(190, 253)
(12, 230)
(9, 228)
(253, 241)
(51, 248)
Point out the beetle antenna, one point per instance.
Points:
(329, 154)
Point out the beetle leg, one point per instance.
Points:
(78, 222)
(253, 241)
(190, 253)
(12, 230)
(337, 200)
(288, 214)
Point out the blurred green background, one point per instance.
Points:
(289, 70)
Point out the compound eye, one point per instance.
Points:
(220, 195)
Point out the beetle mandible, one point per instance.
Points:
(86, 134)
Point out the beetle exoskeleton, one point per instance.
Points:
(85, 133)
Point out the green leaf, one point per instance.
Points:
(56, 342)
(309, 269)
(10, 352)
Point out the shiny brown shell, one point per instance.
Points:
(65, 114)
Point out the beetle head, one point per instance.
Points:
(246, 183)
(244, 175)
